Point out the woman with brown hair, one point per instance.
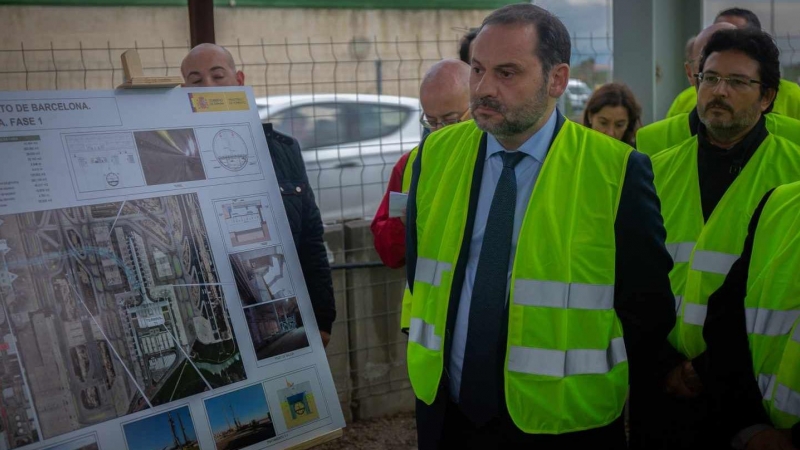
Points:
(614, 111)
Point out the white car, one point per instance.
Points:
(577, 94)
(350, 143)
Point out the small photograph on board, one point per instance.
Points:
(247, 222)
(171, 430)
(240, 418)
(276, 328)
(297, 404)
(88, 442)
(261, 275)
(169, 156)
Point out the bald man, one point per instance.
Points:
(444, 95)
(686, 100)
(209, 65)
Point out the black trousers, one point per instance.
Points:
(670, 423)
(458, 432)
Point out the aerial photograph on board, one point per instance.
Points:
(106, 310)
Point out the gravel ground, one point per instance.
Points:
(397, 432)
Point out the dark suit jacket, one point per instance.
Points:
(643, 298)
(305, 222)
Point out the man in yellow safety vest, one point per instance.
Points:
(708, 185)
(535, 259)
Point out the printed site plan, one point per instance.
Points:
(150, 293)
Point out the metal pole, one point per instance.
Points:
(772, 17)
(201, 21)
(379, 75)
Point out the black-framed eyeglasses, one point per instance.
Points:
(736, 83)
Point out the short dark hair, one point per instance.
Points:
(616, 94)
(465, 42)
(554, 43)
(749, 16)
(754, 43)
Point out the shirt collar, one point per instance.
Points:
(536, 146)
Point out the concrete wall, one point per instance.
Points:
(38, 26)
(281, 51)
(367, 352)
(649, 42)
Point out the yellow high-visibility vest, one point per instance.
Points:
(566, 367)
(684, 103)
(773, 305)
(702, 252)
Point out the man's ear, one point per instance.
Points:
(559, 78)
(240, 77)
(687, 67)
(768, 98)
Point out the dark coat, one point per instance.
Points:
(305, 222)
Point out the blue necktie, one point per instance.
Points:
(478, 396)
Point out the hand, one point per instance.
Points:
(683, 381)
(326, 337)
(403, 217)
(771, 439)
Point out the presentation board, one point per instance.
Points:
(150, 293)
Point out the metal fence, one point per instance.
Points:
(367, 352)
(350, 139)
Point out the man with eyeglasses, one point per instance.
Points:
(444, 95)
(708, 186)
(678, 127)
(786, 104)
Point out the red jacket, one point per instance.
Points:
(390, 233)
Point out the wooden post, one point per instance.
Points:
(134, 77)
(201, 22)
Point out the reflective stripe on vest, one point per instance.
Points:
(773, 305)
(563, 295)
(759, 321)
(681, 252)
(423, 334)
(430, 271)
(713, 262)
(785, 399)
(694, 314)
(770, 322)
(555, 363)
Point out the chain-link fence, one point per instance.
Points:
(789, 44)
(353, 106)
